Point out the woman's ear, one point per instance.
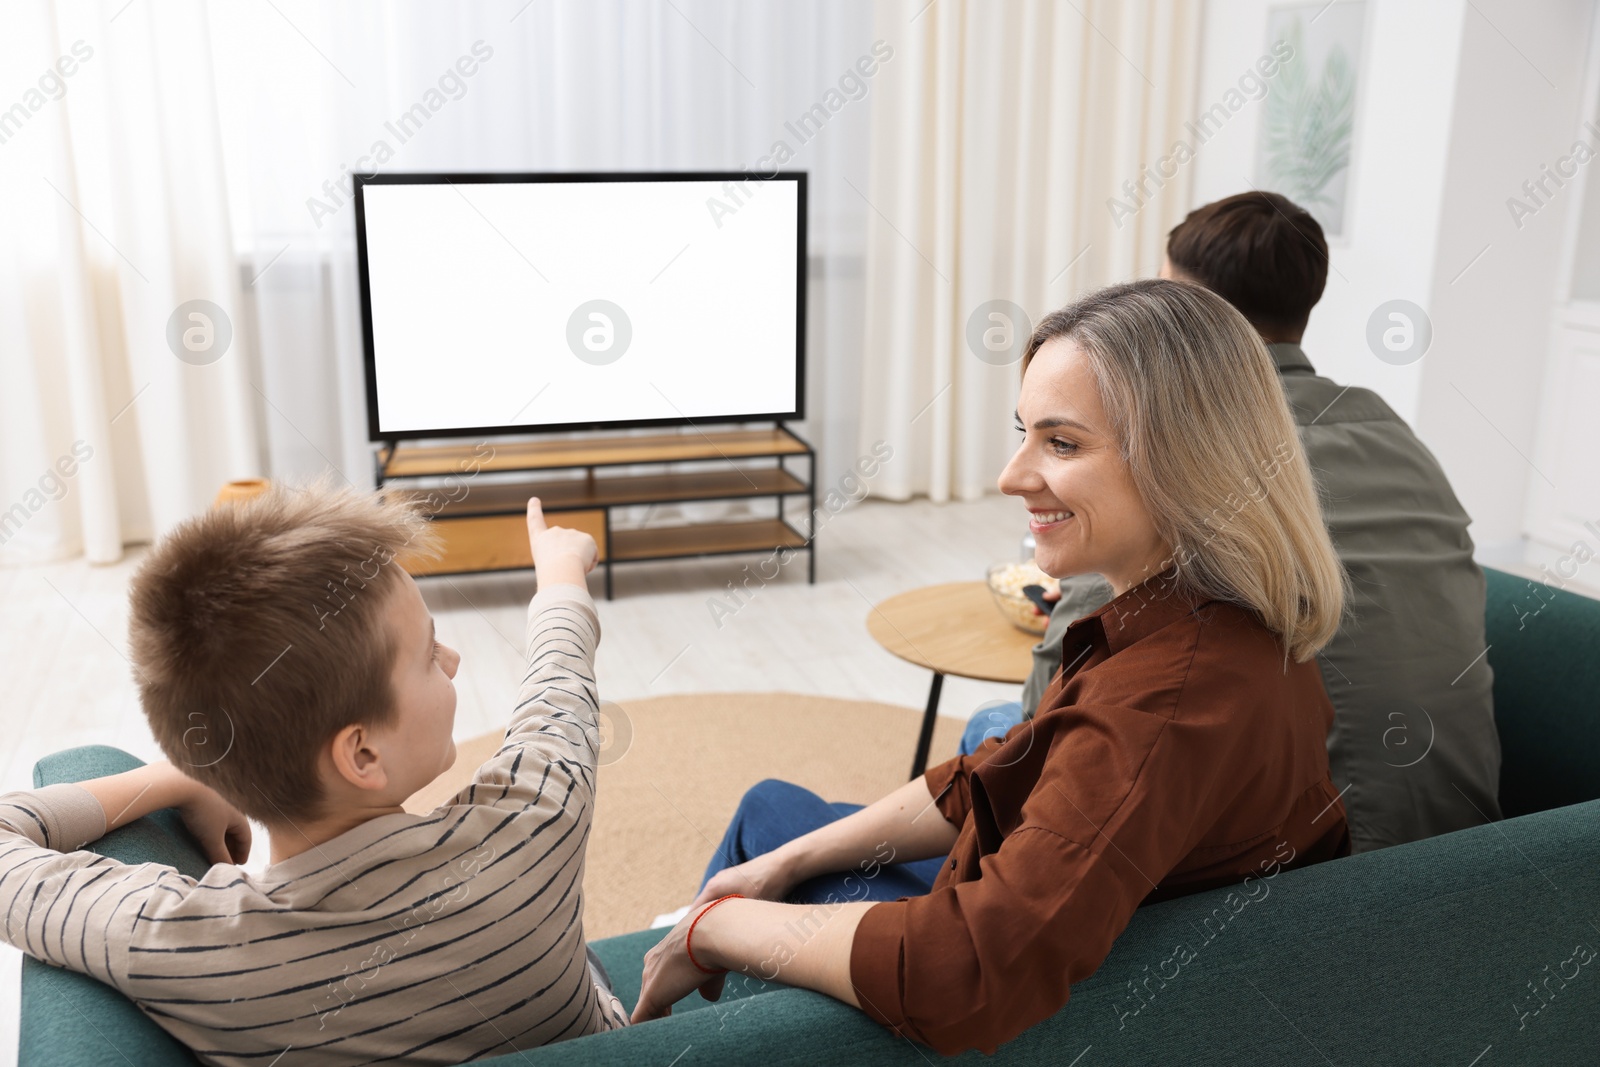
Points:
(355, 758)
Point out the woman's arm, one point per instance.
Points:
(907, 820)
(904, 826)
(808, 943)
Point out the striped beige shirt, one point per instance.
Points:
(432, 938)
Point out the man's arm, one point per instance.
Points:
(1081, 595)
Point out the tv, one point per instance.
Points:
(528, 303)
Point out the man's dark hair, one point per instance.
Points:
(1261, 252)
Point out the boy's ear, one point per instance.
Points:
(355, 758)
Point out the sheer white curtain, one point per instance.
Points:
(202, 153)
(1000, 142)
(115, 214)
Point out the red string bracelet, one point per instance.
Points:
(688, 939)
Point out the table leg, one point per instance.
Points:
(925, 738)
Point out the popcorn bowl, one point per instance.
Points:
(1005, 581)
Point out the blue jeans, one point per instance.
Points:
(773, 813)
(991, 720)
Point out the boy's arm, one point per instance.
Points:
(221, 830)
(71, 908)
(552, 742)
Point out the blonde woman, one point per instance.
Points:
(1180, 747)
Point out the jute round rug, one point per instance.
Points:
(674, 767)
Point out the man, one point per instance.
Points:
(1413, 747)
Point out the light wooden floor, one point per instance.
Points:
(65, 681)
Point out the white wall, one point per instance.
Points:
(1518, 107)
(1405, 83)
(1450, 121)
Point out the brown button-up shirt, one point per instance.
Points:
(1178, 749)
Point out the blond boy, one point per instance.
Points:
(291, 673)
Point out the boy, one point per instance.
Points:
(290, 672)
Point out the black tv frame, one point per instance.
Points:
(375, 435)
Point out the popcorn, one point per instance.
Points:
(1006, 581)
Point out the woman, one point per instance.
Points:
(1181, 746)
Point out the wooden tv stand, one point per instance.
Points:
(482, 523)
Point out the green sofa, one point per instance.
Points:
(1462, 949)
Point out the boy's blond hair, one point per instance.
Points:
(258, 632)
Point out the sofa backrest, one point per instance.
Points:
(1544, 646)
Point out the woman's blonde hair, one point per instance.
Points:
(1199, 415)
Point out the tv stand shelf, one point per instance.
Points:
(481, 522)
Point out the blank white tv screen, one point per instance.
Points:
(559, 304)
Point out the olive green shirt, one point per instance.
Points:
(1413, 744)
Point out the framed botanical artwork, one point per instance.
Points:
(1307, 131)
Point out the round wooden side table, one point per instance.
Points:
(954, 628)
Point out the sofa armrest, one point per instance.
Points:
(69, 1019)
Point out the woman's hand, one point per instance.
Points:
(221, 829)
(767, 877)
(740, 935)
(669, 975)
